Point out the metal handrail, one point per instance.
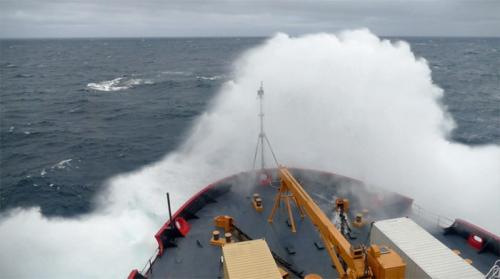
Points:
(147, 267)
(440, 220)
(494, 272)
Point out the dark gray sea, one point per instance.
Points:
(75, 112)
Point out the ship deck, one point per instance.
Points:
(194, 257)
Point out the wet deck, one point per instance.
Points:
(194, 257)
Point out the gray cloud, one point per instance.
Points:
(130, 18)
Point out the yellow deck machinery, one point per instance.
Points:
(350, 261)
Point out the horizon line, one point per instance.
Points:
(236, 37)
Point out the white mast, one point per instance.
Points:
(262, 135)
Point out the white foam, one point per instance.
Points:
(138, 81)
(118, 84)
(107, 85)
(216, 77)
(62, 164)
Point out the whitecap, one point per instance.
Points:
(75, 110)
(62, 164)
(43, 172)
(107, 85)
(176, 73)
(137, 81)
(216, 77)
(118, 84)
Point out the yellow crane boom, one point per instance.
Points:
(359, 262)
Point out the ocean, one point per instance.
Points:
(76, 112)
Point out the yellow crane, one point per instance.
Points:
(374, 262)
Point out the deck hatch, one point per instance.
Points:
(249, 259)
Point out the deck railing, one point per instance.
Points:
(147, 267)
(494, 272)
(439, 220)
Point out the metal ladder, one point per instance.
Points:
(494, 272)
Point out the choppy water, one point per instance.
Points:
(76, 112)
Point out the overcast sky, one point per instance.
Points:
(164, 18)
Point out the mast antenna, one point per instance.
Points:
(262, 139)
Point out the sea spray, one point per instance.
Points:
(349, 103)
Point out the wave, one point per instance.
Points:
(117, 84)
(9, 65)
(385, 126)
(23, 76)
(177, 73)
(124, 83)
(62, 164)
(216, 77)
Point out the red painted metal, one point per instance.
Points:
(265, 178)
(132, 274)
(186, 204)
(475, 241)
(182, 225)
(476, 230)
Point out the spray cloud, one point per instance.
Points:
(348, 103)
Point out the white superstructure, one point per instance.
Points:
(425, 256)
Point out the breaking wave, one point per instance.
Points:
(117, 84)
(217, 77)
(124, 83)
(62, 164)
(349, 103)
